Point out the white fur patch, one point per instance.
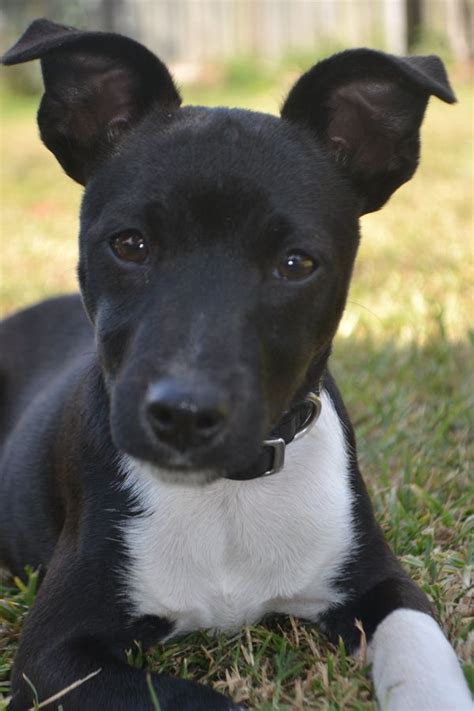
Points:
(224, 554)
(414, 666)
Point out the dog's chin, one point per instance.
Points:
(171, 474)
(187, 468)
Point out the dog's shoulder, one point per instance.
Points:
(37, 345)
(36, 334)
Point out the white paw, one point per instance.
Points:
(414, 666)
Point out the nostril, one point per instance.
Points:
(163, 416)
(185, 416)
(208, 422)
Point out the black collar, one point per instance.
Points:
(294, 424)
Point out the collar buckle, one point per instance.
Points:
(278, 444)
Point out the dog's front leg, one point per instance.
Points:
(113, 686)
(414, 667)
(72, 649)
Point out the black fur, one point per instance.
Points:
(220, 196)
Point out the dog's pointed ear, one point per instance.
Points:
(98, 85)
(367, 108)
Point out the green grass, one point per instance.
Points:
(403, 359)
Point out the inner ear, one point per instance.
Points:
(98, 86)
(92, 100)
(90, 104)
(374, 129)
(366, 109)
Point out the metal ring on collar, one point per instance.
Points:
(279, 445)
(315, 401)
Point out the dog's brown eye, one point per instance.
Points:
(130, 246)
(296, 265)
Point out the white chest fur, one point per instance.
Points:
(224, 554)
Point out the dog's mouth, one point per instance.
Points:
(180, 467)
(190, 467)
(180, 475)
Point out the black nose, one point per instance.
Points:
(185, 416)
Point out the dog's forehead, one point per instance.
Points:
(213, 144)
(222, 132)
(201, 163)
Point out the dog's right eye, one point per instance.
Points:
(130, 246)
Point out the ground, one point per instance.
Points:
(402, 360)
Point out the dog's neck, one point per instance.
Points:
(294, 424)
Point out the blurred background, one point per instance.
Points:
(195, 32)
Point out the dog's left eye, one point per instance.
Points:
(130, 246)
(296, 265)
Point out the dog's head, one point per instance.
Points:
(217, 245)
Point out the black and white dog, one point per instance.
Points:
(144, 428)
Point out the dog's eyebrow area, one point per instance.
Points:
(217, 172)
(233, 211)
